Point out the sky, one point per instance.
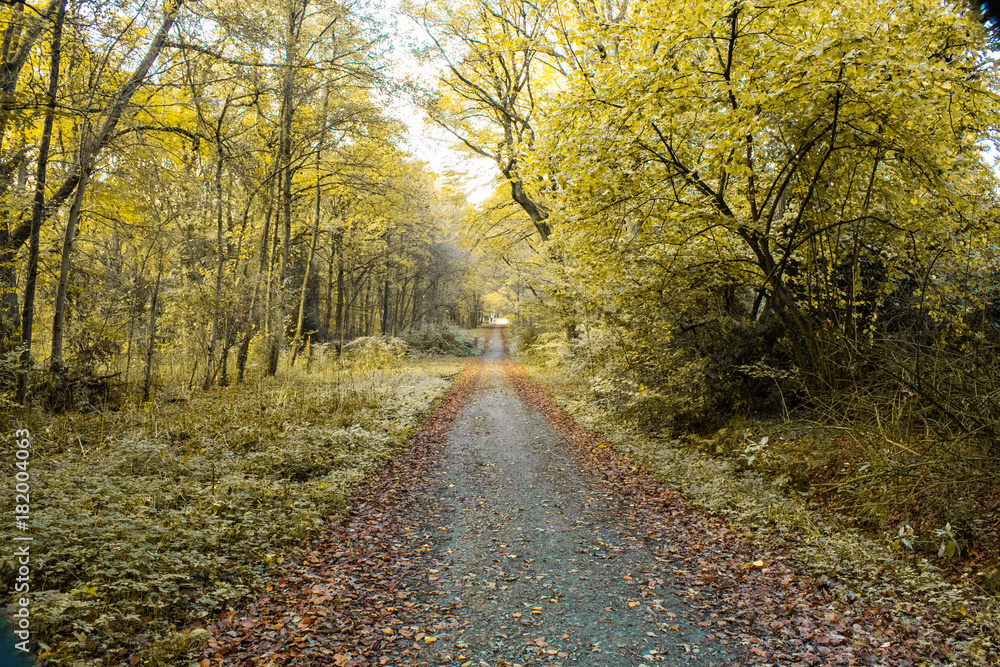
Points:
(424, 140)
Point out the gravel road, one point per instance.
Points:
(535, 559)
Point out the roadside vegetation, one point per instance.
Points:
(150, 520)
(760, 474)
(762, 236)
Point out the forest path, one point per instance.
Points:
(537, 559)
(507, 535)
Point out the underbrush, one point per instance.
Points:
(371, 353)
(920, 464)
(907, 449)
(150, 520)
(748, 471)
(443, 341)
(688, 381)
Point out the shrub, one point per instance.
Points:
(370, 353)
(524, 338)
(543, 348)
(697, 378)
(442, 341)
(748, 367)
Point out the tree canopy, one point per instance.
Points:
(220, 179)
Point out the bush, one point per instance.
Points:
(543, 348)
(749, 369)
(370, 353)
(442, 341)
(921, 434)
(524, 338)
(696, 379)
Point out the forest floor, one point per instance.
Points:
(508, 535)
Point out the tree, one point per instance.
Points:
(738, 145)
(17, 226)
(491, 52)
(38, 207)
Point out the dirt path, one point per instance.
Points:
(536, 558)
(508, 535)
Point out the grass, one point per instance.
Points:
(152, 519)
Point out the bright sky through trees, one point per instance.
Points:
(426, 141)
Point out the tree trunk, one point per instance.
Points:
(28, 313)
(272, 348)
(285, 153)
(267, 249)
(241, 358)
(340, 305)
(399, 312)
(286, 215)
(221, 250)
(147, 382)
(369, 319)
(278, 334)
(224, 377)
(385, 309)
(417, 316)
(330, 299)
(59, 319)
(315, 236)
(305, 284)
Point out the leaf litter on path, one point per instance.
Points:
(509, 535)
